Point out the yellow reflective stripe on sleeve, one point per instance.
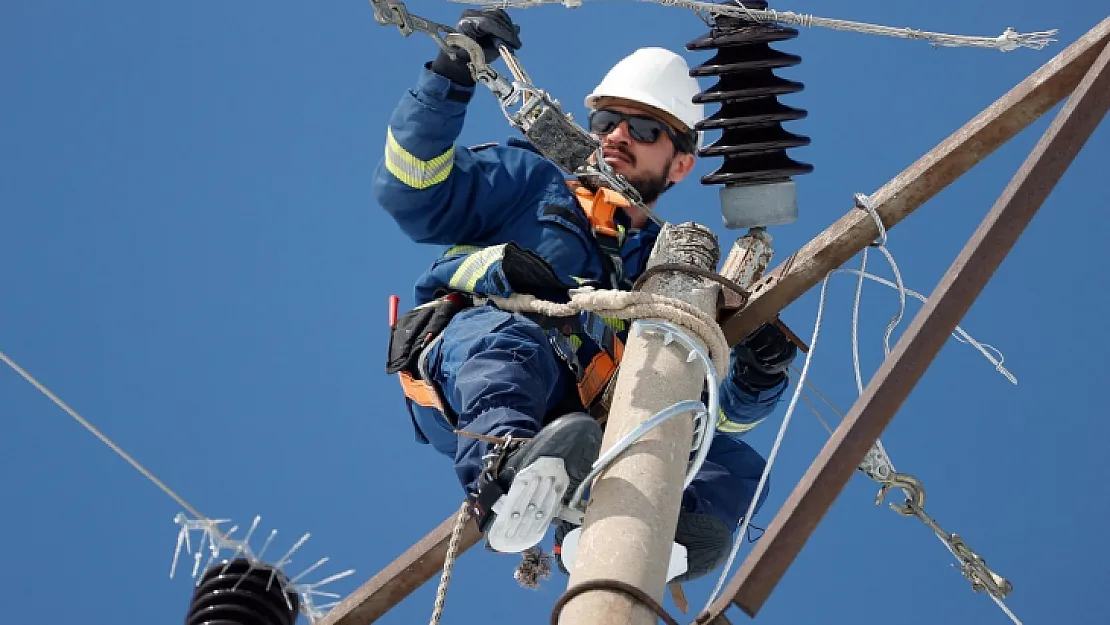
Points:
(412, 171)
(732, 427)
(474, 267)
(461, 249)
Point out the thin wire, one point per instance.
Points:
(774, 449)
(855, 322)
(823, 397)
(1001, 604)
(996, 358)
(107, 441)
(809, 402)
(813, 409)
(1008, 41)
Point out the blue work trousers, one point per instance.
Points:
(500, 375)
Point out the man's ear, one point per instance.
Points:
(681, 166)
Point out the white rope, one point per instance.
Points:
(449, 561)
(742, 531)
(631, 305)
(864, 202)
(1009, 39)
(855, 322)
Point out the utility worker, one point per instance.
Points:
(512, 223)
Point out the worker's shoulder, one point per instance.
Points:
(511, 145)
(519, 154)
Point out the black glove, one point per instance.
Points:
(763, 356)
(489, 28)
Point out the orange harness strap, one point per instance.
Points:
(600, 207)
(598, 373)
(419, 391)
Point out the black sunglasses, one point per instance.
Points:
(641, 128)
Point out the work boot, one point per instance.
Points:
(575, 438)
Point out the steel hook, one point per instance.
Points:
(911, 486)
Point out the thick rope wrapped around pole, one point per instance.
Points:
(630, 305)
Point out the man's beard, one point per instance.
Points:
(649, 186)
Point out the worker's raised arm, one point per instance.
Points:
(756, 379)
(437, 191)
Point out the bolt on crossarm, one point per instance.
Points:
(629, 526)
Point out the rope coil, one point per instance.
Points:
(631, 305)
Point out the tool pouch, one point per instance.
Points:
(415, 329)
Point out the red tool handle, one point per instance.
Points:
(394, 302)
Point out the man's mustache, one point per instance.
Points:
(620, 149)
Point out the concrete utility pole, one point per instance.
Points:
(628, 531)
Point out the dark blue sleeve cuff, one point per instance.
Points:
(442, 88)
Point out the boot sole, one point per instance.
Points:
(555, 462)
(576, 438)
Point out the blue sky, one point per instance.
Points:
(192, 259)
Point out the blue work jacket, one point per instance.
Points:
(474, 201)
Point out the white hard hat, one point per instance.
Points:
(655, 77)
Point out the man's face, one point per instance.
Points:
(641, 151)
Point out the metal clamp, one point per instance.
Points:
(479, 69)
(705, 422)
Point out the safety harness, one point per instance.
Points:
(593, 363)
